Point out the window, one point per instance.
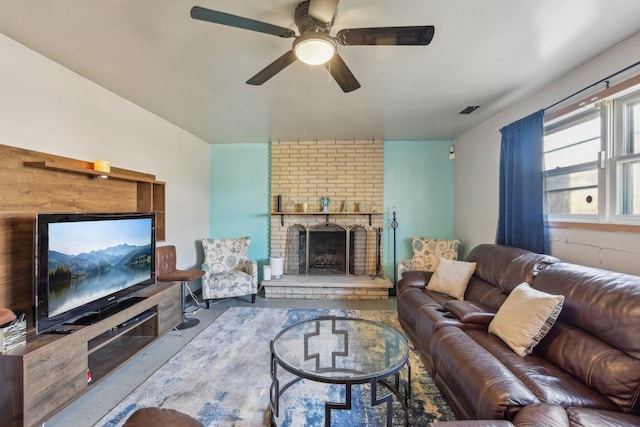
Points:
(628, 160)
(592, 163)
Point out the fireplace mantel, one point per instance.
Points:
(328, 214)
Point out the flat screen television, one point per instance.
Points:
(86, 264)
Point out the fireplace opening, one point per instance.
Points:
(329, 252)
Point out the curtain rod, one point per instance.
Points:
(592, 85)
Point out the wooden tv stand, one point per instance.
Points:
(51, 370)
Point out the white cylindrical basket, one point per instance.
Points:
(276, 267)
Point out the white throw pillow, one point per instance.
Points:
(451, 277)
(525, 317)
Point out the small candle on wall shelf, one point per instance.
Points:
(102, 166)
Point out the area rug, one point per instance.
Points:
(222, 378)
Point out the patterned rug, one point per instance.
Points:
(222, 378)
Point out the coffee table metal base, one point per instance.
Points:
(401, 391)
(391, 382)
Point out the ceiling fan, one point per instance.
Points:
(314, 45)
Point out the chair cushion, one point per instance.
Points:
(229, 284)
(223, 255)
(427, 252)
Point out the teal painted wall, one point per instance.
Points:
(418, 181)
(240, 195)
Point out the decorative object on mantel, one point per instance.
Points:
(324, 202)
(345, 207)
(394, 225)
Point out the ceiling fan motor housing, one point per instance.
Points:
(306, 24)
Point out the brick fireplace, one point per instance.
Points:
(339, 246)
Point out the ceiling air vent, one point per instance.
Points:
(470, 109)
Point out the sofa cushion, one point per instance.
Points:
(600, 418)
(542, 415)
(611, 372)
(597, 338)
(524, 269)
(525, 318)
(600, 302)
(493, 261)
(451, 277)
(547, 381)
(477, 383)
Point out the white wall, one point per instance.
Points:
(46, 107)
(476, 172)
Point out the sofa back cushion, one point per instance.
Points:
(597, 336)
(499, 269)
(492, 261)
(603, 303)
(524, 269)
(479, 290)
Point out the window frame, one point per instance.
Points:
(566, 122)
(615, 138)
(623, 128)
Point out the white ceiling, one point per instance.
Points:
(192, 73)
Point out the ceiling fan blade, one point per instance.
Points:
(323, 10)
(222, 18)
(342, 74)
(406, 36)
(272, 69)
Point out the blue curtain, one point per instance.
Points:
(521, 219)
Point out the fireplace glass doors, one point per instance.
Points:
(325, 249)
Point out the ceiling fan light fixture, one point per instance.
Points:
(314, 48)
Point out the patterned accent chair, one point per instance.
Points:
(427, 253)
(228, 271)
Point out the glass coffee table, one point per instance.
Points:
(345, 351)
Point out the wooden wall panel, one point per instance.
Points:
(26, 191)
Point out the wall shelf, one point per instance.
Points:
(150, 193)
(90, 172)
(327, 214)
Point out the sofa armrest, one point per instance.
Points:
(470, 311)
(416, 279)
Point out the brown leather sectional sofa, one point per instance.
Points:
(586, 368)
